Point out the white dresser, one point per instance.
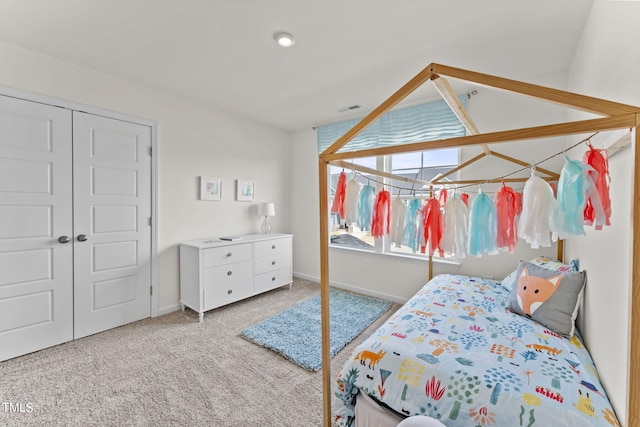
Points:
(216, 272)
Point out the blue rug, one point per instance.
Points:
(296, 333)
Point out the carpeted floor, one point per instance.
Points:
(171, 371)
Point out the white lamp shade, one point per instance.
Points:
(267, 209)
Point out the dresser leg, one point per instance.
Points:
(182, 306)
(201, 316)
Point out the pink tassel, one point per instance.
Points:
(338, 199)
(507, 210)
(381, 214)
(597, 159)
(518, 203)
(433, 226)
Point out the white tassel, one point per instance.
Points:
(352, 195)
(538, 204)
(398, 216)
(456, 218)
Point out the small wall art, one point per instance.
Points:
(210, 188)
(245, 190)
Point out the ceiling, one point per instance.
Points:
(222, 52)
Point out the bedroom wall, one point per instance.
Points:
(193, 140)
(605, 66)
(399, 278)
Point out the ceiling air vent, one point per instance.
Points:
(349, 108)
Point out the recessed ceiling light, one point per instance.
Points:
(284, 39)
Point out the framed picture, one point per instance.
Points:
(210, 188)
(245, 190)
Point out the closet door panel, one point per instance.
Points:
(36, 281)
(112, 207)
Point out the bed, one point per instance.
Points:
(455, 352)
(609, 116)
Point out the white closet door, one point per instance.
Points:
(36, 283)
(112, 207)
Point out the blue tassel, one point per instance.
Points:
(365, 207)
(482, 226)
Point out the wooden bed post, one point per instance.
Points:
(633, 390)
(324, 292)
(560, 247)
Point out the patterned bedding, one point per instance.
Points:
(455, 353)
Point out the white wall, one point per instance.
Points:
(193, 140)
(605, 66)
(399, 278)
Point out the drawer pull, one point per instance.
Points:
(273, 279)
(229, 273)
(273, 263)
(228, 255)
(273, 247)
(230, 291)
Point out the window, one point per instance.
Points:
(422, 166)
(425, 122)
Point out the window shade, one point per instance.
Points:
(425, 122)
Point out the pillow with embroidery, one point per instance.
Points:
(541, 261)
(549, 297)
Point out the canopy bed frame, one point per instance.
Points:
(613, 116)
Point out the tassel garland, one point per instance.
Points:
(535, 215)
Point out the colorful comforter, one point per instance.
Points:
(455, 353)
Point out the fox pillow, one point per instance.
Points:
(549, 297)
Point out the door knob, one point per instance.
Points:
(82, 237)
(64, 239)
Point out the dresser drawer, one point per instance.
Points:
(226, 255)
(226, 284)
(274, 246)
(272, 279)
(272, 262)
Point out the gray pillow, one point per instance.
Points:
(549, 297)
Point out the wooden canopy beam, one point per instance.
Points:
(446, 91)
(547, 131)
(567, 99)
(387, 105)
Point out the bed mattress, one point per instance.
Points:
(455, 352)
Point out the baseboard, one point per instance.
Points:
(356, 289)
(170, 309)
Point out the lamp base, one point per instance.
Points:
(266, 226)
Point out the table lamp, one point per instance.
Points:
(266, 210)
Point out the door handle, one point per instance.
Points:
(64, 239)
(82, 237)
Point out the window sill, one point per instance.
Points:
(417, 258)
